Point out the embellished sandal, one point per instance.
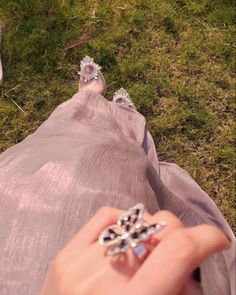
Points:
(122, 97)
(91, 77)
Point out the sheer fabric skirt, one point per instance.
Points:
(91, 153)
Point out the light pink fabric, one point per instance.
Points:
(90, 153)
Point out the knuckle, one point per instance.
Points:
(169, 217)
(185, 248)
(107, 214)
(104, 211)
(168, 213)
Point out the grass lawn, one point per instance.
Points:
(175, 57)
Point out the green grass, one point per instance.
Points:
(175, 57)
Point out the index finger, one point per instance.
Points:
(104, 217)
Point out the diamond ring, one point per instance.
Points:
(130, 232)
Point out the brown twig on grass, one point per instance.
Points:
(83, 40)
(6, 94)
(17, 105)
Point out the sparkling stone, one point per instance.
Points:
(134, 235)
(122, 246)
(139, 250)
(110, 235)
(89, 69)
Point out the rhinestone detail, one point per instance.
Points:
(89, 69)
(129, 231)
(121, 96)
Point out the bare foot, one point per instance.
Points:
(96, 85)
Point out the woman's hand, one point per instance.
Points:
(82, 269)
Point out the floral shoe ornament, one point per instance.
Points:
(122, 97)
(89, 69)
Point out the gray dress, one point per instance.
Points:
(91, 153)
